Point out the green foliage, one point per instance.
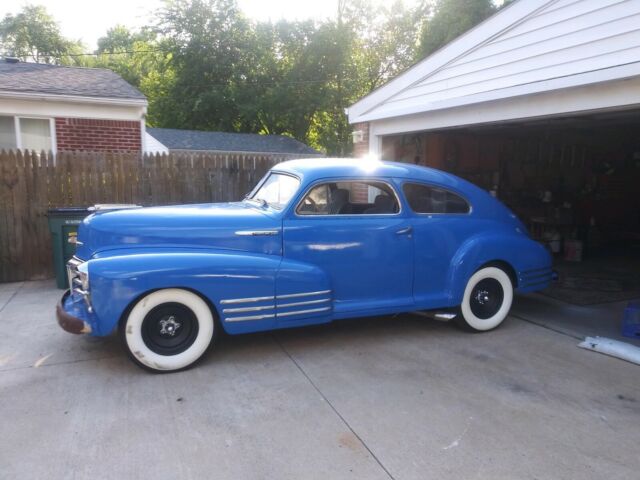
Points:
(33, 35)
(121, 39)
(136, 56)
(290, 78)
(450, 19)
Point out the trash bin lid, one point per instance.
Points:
(64, 211)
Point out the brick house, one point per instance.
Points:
(56, 108)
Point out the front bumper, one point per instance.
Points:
(69, 322)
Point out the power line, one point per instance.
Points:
(94, 54)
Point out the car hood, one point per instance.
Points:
(220, 226)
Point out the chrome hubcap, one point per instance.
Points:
(482, 297)
(169, 326)
(486, 298)
(169, 329)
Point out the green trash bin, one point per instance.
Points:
(63, 225)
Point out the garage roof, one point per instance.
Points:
(529, 47)
(175, 139)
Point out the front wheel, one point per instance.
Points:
(168, 330)
(487, 300)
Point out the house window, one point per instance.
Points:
(35, 134)
(25, 133)
(8, 133)
(428, 199)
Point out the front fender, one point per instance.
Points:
(117, 280)
(519, 251)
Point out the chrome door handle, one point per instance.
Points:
(256, 233)
(405, 231)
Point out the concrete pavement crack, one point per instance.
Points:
(335, 410)
(67, 362)
(11, 297)
(546, 327)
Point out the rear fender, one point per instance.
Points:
(519, 251)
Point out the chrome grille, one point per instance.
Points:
(75, 283)
(72, 273)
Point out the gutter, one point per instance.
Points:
(48, 97)
(239, 152)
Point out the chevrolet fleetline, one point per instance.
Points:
(315, 241)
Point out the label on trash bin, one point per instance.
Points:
(72, 222)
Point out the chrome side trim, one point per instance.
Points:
(243, 300)
(248, 309)
(250, 317)
(256, 233)
(444, 316)
(274, 306)
(306, 294)
(300, 312)
(308, 302)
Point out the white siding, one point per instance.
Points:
(152, 145)
(49, 108)
(563, 39)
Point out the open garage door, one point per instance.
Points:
(575, 182)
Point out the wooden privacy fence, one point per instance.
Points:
(32, 183)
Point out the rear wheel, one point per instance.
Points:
(168, 330)
(487, 300)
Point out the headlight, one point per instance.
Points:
(83, 274)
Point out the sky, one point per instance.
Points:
(88, 20)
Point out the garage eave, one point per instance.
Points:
(606, 96)
(566, 84)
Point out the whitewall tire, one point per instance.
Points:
(168, 330)
(487, 299)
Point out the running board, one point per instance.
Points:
(440, 316)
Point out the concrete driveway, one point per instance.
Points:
(399, 398)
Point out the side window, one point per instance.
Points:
(350, 198)
(428, 199)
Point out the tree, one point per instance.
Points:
(283, 86)
(210, 42)
(33, 35)
(450, 19)
(121, 39)
(134, 55)
(372, 44)
(290, 78)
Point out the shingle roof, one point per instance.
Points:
(175, 139)
(40, 78)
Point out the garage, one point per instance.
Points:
(539, 105)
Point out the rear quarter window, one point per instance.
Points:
(429, 199)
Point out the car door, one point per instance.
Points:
(357, 232)
(442, 221)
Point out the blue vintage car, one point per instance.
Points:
(315, 241)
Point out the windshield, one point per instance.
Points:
(276, 190)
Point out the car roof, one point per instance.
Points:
(311, 169)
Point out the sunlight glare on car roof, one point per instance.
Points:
(370, 163)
